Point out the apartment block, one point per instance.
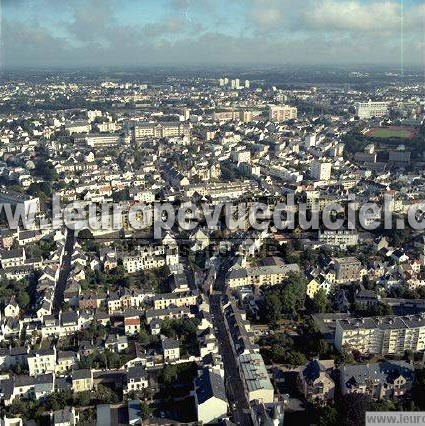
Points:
(261, 275)
(371, 109)
(388, 335)
(160, 130)
(341, 238)
(347, 269)
(321, 170)
(281, 113)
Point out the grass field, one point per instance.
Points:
(391, 132)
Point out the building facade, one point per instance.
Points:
(388, 335)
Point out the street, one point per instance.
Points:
(64, 272)
(234, 385)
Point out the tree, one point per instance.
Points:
(344, 357)
(105, 395)
(82, 399)
(286, 298)
(85, 234)
(145, 411)
(169, 374)
(112, 359)
(320, 301)
(272, 308)
(144, 337)
(23, 299)
(409, 355)
(293, 294)
(382, 309)
(296, 358)
(40, 189)
(59, 400)
(45, 170)
(121, 195)
(329, 416)
(353, 408)
(382, 406)
(277, 353)
(308, 255)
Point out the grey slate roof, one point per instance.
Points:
(383, 372)
(208, 385)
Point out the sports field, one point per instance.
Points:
(391, 132)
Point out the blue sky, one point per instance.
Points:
(179, 32)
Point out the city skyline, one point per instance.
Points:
(206, 32)
(212, 212)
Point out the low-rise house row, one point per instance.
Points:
(170, 312)
(163, 301)
(18, 387)
(385, 380)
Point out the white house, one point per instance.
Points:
(210, 397)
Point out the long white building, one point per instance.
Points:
(160, 130)
(371, 109)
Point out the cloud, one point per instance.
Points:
(205, 32)
(32, 45)
(169, 26)
(93, 18)
(327, 16)
(266, 14)
(352, 15)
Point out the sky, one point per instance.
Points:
(79, 33)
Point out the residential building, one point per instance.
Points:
(170, 312)
(131, 324)
(316, 284)
(42, 361)
(137, 379)
(11, 309)
(164, 300)
(261, 275)
(160, 130)
(210, 397)
(145, 258)
(321, 170)
(272, 414)
(77, 126)
(255, 379)
(65, 361)
(340, 238)
(387, 380)
(170, 349)
(12, 258)
(134, 412)
(366, 110)
(66, 417)
(348, 269)
(282, 113)
(116, 343)
(103, 140)
(82, 380)
(27, 203)
(315, 382)
(388, 335)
